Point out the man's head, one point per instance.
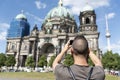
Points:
(80, 45)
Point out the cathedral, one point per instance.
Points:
(58, 27)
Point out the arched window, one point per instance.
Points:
(55, 27)
(25, 47)
(87, 20)
(13, 47)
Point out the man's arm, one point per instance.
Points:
(95, 59)
(61, 54)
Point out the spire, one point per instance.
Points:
(107, 34)
(106, 18)
(22, 11)
(60, 3)
(35, 27)
(21, 16)
(86, 3)
(87, 7)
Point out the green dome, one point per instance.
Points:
(59, 11)
(87, 8)
(21, 16)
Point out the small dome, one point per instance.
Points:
(87, 8)
(21, 16)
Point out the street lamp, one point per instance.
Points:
(57, 50)
(38, 54)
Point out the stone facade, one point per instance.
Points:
(55, 32)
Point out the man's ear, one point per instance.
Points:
(88, 51)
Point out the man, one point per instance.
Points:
(80, 68)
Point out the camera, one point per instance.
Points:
(71, 41)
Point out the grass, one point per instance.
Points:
(31, 75)
(41, 76)
(111, 77)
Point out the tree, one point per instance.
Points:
(68, 60)
(10, 61)
(111, 61)
(90, 61)
(30, 62)
(42, 61)
(51, 60)
(2, 59)
(107, 60)
(117, 61)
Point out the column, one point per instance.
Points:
(33, 47)
(7, 47)
(17, 54)
(21, 60)
(95, 47)
(83, 20)
(97, 43)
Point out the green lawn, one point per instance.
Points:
(39, 76)
(111, 77)
(31, 75)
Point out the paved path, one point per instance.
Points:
(21, 79)
(15, 79)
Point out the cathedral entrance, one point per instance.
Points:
(22, 60)
(48, 49)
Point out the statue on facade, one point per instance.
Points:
(34, 31)
(48, 31)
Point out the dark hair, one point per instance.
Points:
(80, 45)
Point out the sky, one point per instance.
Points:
(36, 10)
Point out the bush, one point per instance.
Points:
(51, 60)
(2, 59)
(68, 60)
(42, 61)
(10, 61)
(30, 62)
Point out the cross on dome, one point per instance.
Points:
(22, 11)
(87, 7)
(21, 15)
(60, 3)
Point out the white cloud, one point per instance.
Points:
(3, 30)
(111, 15)
(77, 5)
(3, 35)
(116, 47)
(34, 16)
(4, 26)
(39, 4)
(119, 42)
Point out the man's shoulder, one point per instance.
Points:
(61, 72)
(60, 67)
(98, 73)
(98, 68)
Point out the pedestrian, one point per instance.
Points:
(80, 70)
